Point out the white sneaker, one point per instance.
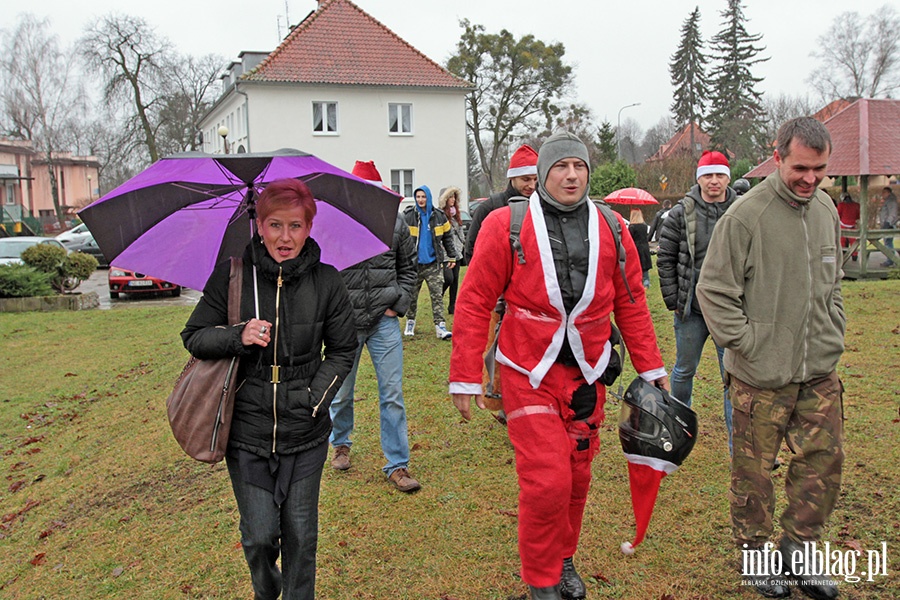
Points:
(441, 330)
(410, 327)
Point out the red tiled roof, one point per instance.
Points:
(865, 137)
(341, 44)
(681, 142)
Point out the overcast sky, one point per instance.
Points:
(620, 50)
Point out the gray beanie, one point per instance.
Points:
(557, 147)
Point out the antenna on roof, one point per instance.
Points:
(278, 23)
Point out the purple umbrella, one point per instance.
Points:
(185, 213)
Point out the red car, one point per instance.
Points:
(129, 282)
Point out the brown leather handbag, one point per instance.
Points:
(201, 404)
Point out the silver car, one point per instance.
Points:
(11, 248)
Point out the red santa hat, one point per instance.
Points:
(644, 476)
(523, 162)
(713, 162)
(366, 170)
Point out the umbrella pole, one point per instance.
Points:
(251, 214)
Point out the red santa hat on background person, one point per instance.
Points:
(523, 162)
(657, 432)
(366, 170)
(713, 162)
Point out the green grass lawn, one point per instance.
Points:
(98, 501)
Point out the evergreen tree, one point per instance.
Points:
(606, 143)
(736, 115)
(689, 78)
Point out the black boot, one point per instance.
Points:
(571, 586)
(810, 579)
(545, 593)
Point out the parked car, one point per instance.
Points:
(473, 204)
(122, 281)
(89, 246)
(75, 235)
(11, 248)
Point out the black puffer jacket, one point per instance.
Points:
(683, 239)
(494, 201)
(292, 415)
(384, 281)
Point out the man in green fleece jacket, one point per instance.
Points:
(771, 295)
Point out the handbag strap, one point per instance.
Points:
(235, 280)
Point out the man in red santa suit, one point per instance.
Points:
(553, 350)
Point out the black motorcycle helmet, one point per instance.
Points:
(653, 423)
(741, 186)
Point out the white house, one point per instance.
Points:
(344, 87)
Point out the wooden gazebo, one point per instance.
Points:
(865, 138)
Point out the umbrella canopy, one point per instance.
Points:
(185, 213)
(630, 196)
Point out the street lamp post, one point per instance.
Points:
(223, 131)
(618, 126)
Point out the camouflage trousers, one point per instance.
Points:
(810, 418)
(433, 276)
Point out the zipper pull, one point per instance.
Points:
(280, 281)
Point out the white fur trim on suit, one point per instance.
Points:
(591, 372)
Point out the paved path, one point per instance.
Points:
(98, 283)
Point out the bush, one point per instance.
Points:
(610, 177)
(66, 271)
(21, 281)
(81, 265)
(45, 258)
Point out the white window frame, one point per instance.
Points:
(404, 126)
(403, 181)
(324, 106)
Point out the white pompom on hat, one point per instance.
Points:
(523, 162)
(713, 162)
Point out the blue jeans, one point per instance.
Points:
(267, 529)
(385, 345)
(691, 334)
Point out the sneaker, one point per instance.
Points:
(403, 481)
(341, 460)
(410, 327)
(441, 330)
(571, 586)
(887, 264)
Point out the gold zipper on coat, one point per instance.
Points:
(276, 375)
(330, 385)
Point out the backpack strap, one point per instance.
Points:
(616, 227)
(518, 207)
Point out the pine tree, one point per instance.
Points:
(736, 115)
(606, 136)
(688, 71)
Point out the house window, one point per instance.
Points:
(400, 118)
(402, 182)
(10, 194)
(325, 119)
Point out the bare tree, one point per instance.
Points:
(658, 135)
(40, 93)
(132, 59)
(187, 95)
(630, 135)
(781, 108)
(860, 56)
